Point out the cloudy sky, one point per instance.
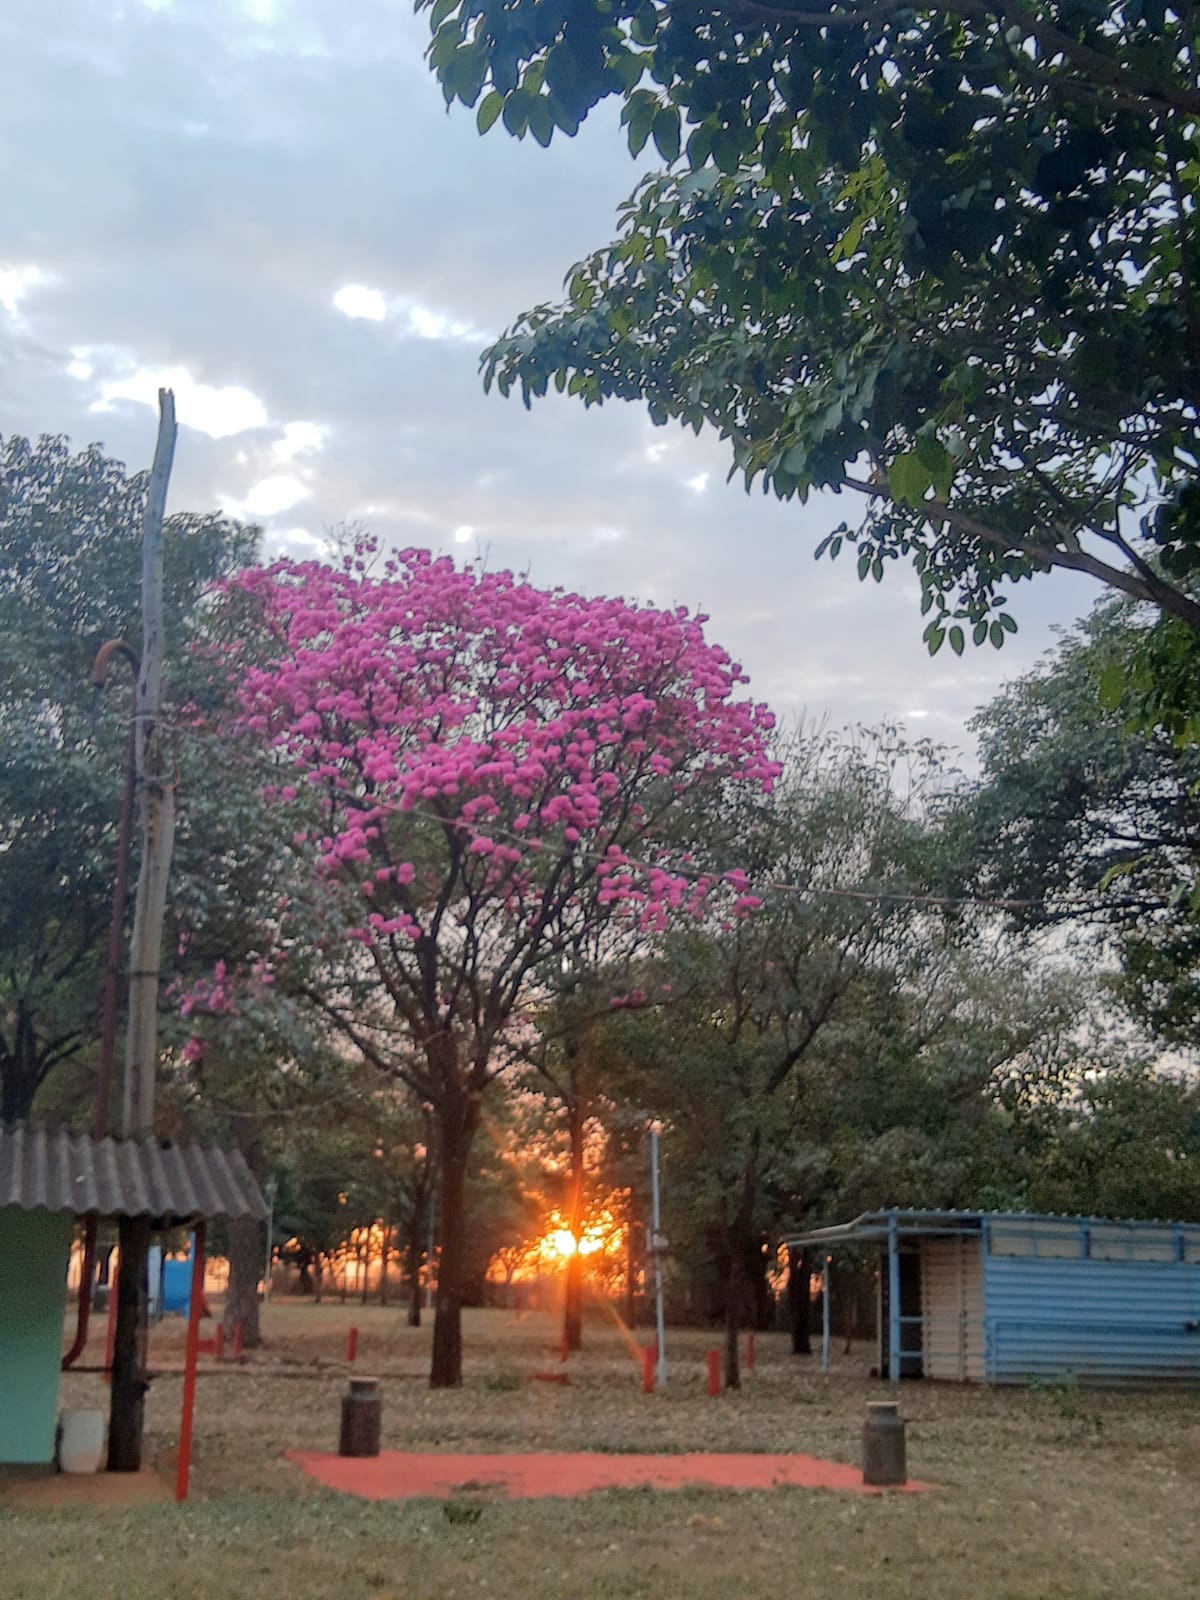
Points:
(264, 204)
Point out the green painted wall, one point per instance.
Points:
(34, 1247)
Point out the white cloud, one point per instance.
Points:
(299, 438)
(464, 534)
(355, 300)
(698, 484)
(415, 319)
(16, 283)
(268, 497)
(216, 411)
(429, 324)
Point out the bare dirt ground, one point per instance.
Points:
(1045, 1494)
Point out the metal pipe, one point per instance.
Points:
(112, 974)
(825, 1314)
(893, 1299)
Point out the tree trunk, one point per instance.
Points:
(383, 1265)
(799, 1293)
(128, 1397)
(738, 1239)
(318, 1273)
(245, 1267)
(21, 1070)
(458, 1128)
(632, 1264)
(735, 1289)
(364, 1268)
(573, 1299)
(415, 1246)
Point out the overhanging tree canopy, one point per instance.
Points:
(943, 256)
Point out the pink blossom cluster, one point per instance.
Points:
(535, 724)
(218, 996)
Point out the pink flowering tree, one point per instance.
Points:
(497, 768)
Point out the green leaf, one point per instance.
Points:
(490, 108)
(638, 117)
(516, 113)
(1112, 685)
(665, 129)
(908, 479)
(956, 639)
(541, 120)
(441, 10)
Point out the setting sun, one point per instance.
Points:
(561, 1242)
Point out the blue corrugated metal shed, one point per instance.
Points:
(1050, 1297)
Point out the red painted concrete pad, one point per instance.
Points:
(395, 1475)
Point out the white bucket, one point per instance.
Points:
(80, 1441)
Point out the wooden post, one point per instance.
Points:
(128, 1391)
(157, 809)
(111, 1333)
(352, 1345)
(183, 1470)
(157, 802)
(714, 1373)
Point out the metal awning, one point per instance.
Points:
(55, 1170)
(876, 1227)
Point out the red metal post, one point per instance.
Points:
(714, 1372)
(87, 1272)
(750, 1351)
(352, 1345)
(189, 1369)
(649, 1362)
(116, 927)
(110, 1338)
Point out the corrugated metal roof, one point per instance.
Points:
(872, 1226)
(55, 1170)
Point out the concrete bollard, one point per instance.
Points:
(362, 1417)
(883, 1453)
(352, 1345)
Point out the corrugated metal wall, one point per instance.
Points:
(952, 1308)
(1103, 1302)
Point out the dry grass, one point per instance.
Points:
(1049, 1494)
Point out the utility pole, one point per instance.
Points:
(156, 795)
